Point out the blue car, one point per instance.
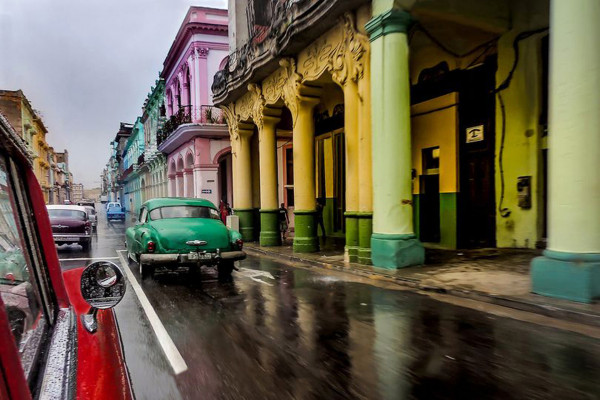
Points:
(115, 211)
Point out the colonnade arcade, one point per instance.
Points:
(341, 56)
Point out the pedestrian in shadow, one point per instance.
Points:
(320, 223)
(284, 221)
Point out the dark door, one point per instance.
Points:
(477, 217)
(339, 182)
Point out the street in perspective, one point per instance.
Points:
(300, 199)
(284, 330)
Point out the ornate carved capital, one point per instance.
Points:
(201, 52)
(257, 105)
(232, 121)
(342, 51)
(291, 85)
(357, 47)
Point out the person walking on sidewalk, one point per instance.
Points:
(283, 222)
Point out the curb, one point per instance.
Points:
(571, 315)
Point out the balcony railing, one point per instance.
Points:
(209, 115)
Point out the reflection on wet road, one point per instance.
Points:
(279, 332)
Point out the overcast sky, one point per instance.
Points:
(87, 66)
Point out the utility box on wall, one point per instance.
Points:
(524, 192)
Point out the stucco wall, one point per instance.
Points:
(523, 134)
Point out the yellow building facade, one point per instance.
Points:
(30, 126)
(328, 78)
(414, 124)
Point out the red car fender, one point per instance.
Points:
(101, 369)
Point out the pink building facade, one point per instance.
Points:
(195, 138)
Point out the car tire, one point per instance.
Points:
(86, 245)
(146, 271)
(225, 268)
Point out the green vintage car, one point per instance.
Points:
(175, 232)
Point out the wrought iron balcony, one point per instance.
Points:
(208, 115)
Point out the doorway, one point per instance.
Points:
(331, 180)
(477, 205)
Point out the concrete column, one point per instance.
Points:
(180, 183)
(570, 267)
(269, 223)
(305, 232)
(197, 176)
(365, 175)
(172, 189)
(203, 84)
(393, 242)
(351, 132)
(242, 181)
(197, 80)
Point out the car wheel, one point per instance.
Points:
(86, 245)
(146, 271)
(225, 268)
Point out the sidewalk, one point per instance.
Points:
(496, 276)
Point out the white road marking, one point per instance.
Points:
(254, 274)
(88, 259)
(173, 355)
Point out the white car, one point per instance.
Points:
(91, 211)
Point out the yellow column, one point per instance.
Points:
(305, 234)
(365, 177)
(269, 224)
(351, 112)
(242, 180)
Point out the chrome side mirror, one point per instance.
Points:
(102, 287)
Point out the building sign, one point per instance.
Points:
(206, 191)
(475, 134)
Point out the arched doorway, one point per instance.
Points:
(224, 175)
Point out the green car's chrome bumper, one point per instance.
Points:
(192, 257)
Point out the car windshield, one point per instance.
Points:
(184, 212)
(114, 205)
(68, 214)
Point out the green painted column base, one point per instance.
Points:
(570, 276)
(365, 229)
(396, 251)
(351, 248)
(246, 216)
(305, 232)
(269, 228)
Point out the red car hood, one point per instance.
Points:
(101, 370)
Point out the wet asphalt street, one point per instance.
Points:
(280, 331)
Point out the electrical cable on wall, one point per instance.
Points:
(504, 211)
